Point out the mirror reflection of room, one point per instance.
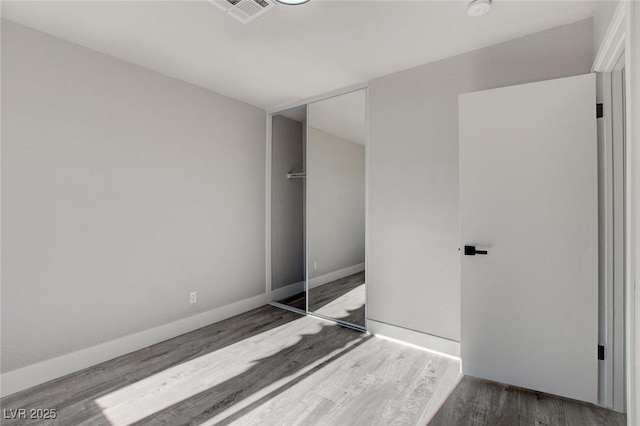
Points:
(336, 142)
(287, 207)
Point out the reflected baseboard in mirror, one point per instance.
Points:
(342, 299)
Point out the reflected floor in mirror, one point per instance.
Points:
(298, 301)
(342, 299)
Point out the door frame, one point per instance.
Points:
(611, 199)
(623, 37)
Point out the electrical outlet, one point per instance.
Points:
(193, 297)
(315, 266)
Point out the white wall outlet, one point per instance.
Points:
(315, 266)
(193, 297)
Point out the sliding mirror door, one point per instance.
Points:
(336, 143)
(287, 207)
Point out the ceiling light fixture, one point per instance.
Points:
(292, 2)
(477, 7)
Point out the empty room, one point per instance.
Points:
(320, 212)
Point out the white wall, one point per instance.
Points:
(335, 202)
(287, 203)
(414, 275)
(123, 190)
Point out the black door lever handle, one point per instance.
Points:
(471, 251)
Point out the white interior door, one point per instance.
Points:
(528, 196)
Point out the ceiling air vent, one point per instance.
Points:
(244, 10)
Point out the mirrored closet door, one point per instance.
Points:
(335, 204)
(288, 147)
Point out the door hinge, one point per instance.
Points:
(599, 110)
(600, 352)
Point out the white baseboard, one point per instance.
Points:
(335, 275)
(35, 374)
(428, 342)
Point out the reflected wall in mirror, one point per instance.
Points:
(287, 207)
(336, 143)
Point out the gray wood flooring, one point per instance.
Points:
(481, 402)
(274, 367)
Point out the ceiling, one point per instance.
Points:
(291, 52)
(343, 116)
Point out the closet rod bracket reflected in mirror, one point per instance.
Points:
(298, 175)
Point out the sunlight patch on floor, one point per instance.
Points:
(288, 373)
(266, 394)
(175, 384)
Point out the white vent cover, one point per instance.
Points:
(244, 10)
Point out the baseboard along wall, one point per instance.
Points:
(335, 275)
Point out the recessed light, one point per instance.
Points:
(478, 7)
(292, 2)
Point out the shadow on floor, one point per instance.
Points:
(285, 368)
(73, 395)
(482, 402)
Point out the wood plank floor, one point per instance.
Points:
(481, 402)
(274, 367)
